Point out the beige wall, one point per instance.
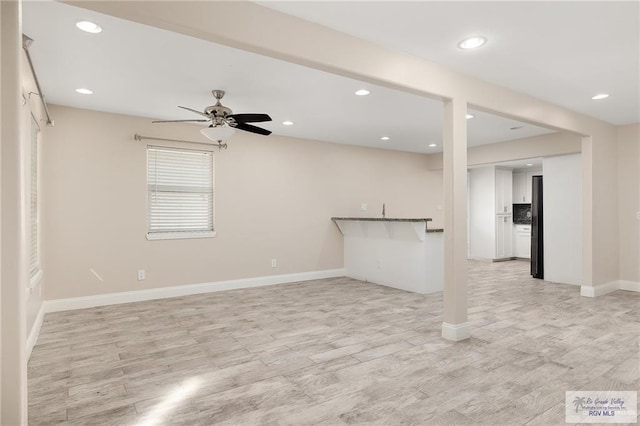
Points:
(552, 144)
(604, 215)
(629, 201)
(274, 199)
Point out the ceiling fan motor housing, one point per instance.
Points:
(218, 110)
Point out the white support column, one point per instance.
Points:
(586, 288)
(455, 325)
(1, 26)
(13, 250)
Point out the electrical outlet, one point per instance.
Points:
(364, 207)
(274, 263)
(638, 215)
(141, 275)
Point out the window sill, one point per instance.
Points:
(180, 235)
(35, 280)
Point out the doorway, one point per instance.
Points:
(500, 214)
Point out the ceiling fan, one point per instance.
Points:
(223, 121)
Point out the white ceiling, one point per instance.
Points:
(140, 70)
(560, 51)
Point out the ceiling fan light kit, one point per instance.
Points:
(222, 122)
(218, 133)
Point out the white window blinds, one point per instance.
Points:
(180, 192)
(34, 252)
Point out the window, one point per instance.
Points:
(179, 193)
(34, 210)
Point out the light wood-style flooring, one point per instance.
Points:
(333, 352)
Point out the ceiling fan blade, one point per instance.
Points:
(194, 110)
(180, 121)
(249, 118)
(252, 129)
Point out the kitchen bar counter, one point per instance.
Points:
(383, 219)
(396, 252)
(390, 219)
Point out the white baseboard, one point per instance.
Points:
(35, 330)
(456, 332)
(602, 289)
(481, 259)
(630, 285)
(184, 290)
(599, 290)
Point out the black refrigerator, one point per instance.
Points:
(537, 228)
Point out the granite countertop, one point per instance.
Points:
(383, 219)
(390, 219)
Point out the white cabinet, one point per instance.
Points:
(522, 182)
(503, 191)
(504, 210)
(522, 241)
(520, 187)
(504, 241)
(490, 213)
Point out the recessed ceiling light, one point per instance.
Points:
(84, 91)
(529, 164)
(515, 128)
(287, 123)
(600, 96)
(472, 42)
(362, 92)
(89, 27)
(470, 116)
(385, 138)
(433, 145)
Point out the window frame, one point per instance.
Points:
(173, 235)
(35, 271)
